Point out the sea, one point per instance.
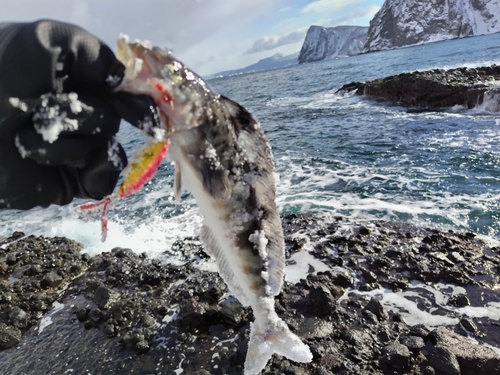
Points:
(335, 154)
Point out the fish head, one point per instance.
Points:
(182, 96)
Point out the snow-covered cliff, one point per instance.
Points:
(331, 42)
(402, 23)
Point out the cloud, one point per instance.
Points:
(352, 17)
(274, 41)
(329, 6)
(173, 23)
(80, 12)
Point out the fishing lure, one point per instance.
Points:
(143, 167)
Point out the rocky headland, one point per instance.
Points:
(438, 88)
(332, 42)
(402, 23)
(368, 297)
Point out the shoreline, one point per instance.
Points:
(120, 312)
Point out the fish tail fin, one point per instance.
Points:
(274, 337)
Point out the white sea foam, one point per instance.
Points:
(47, 319)
(407, 304)
(303, 263)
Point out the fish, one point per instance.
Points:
(223, 158)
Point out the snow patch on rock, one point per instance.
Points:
(401, 23)
(332, 42)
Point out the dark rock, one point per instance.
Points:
(419, 330)
(82, 314)
(342, 279)
(472, 359)
(9, 336)
(397, 356)
(51, 280)
(104, 297)
(376, 307)
(315, 328)
(34, 269)
(431, 89)
(364, 231)
(232, 313)
(444, 361)
(468, 324)
(11, 259)
(322, 299)
(459, 300)
(414, 343)
(18, 317)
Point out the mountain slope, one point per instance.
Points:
(401, 23)
(331, 42)
(278, 60)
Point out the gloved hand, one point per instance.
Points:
(59, 115)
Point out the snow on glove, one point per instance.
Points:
(59, 115)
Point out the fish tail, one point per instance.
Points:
(273, 336)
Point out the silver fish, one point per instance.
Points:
(222, 157)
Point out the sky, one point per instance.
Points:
(209, 36)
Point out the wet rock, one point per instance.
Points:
(444, 361)
(9, 336)
(454, 256)
(468, 324)
(34, 269)
(472, 359)
(342, 278)
(376, 308)
(168, 318)
(396, 356)
(322, 299)
(232, 313)
(431, 89)
(51, 280)
(11, 259)
(18, 317)
(419, 330)
(104, 297)
(315, 328)
(459, 300)
(414, 343)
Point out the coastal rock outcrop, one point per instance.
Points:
(467, 87)
(401, 23)
(331, 42)
(368, 297)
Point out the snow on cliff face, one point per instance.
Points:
(331, 42)
(402, 23)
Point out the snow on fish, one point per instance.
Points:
(222, 157)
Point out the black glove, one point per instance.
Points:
(59, 116)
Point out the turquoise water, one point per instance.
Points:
(336, 155)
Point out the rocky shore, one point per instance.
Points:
(368, 297)
(436, 88)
